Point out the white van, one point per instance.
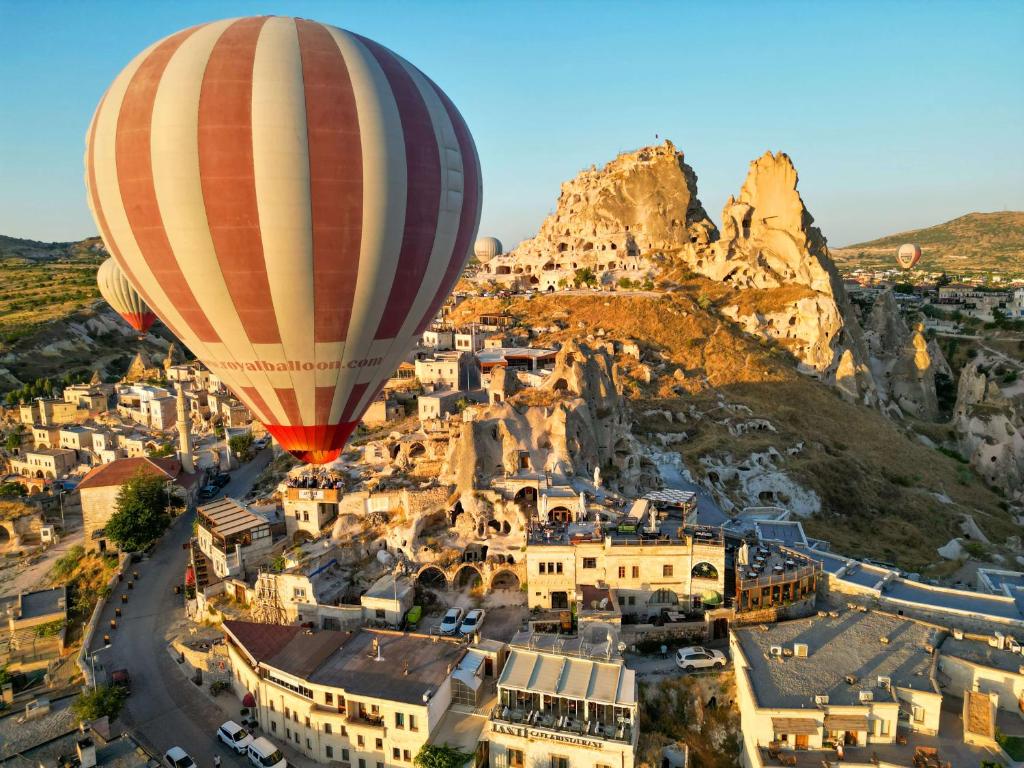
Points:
(263, 754)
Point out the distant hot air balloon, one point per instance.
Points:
(295, 202)
(122, 296)
(486, 248)
(908, 255)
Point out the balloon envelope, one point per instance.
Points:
(122, 296)
(908, 255)
(294, 201)
(486, 248)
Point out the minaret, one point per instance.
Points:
(184, 436)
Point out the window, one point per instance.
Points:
(344, 755)
(327, 728)
(515, 758)
(359, 742)
(329, 751)
(295, 717)
(287, 713)
(307, 721)
(380, 765)
(558, 567)
(328, 698)
(379, 744)
(918, 714)
(396, 753)
(273, 726)
(622, 571)
(288, 733)
(271, 705)
(299, 593)
(362, 763)
(883, 727)
(636, 571)
(543, 567)
(399, 720)
(666, 570)
(558, 761)
(380, 613)
(588, 562)
(412, 723)
(308, 744)
(406, 755)
(305, 517)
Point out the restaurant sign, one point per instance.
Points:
(311, 494)
(540, 733)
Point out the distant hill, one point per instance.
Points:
(16, 249)
(43, 282)
(975, 243)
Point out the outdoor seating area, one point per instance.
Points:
(615, 728)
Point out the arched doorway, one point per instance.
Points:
(561, 514)
(5, 537)
(432, 577)
(417, 450)
(455, 512)
(467, 577)
(526, 498)
(494, 526)
(505, 580)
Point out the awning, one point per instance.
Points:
(846, 722)
(248, 700)
(798, 726)
(470, 680)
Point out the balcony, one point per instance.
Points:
(364, 719)
(539, 723)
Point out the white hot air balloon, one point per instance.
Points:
(122, 296)
(486, 248)
(908, 255)
(295, 202)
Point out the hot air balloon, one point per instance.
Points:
(486, 248)
(122, 296)
(908, 255)
(294, 201)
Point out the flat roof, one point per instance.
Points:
(43, 602)
(848, 644)
(410, 665)
(227, 517)
(983, 654)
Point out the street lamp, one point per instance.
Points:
(92, 662)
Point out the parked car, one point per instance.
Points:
(176, 757)
(122, 679)
(450, 622)
(263, 753)
(474, 619)
(412, 618)
(696, 657)
(220, 479)
(208, 491)
(235, 736)
(261, 443)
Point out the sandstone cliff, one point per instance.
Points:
(989, 427)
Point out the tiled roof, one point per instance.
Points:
(117, 472)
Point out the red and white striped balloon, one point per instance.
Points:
(294, 201)
(122, 296)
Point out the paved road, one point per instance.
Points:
(165, 709)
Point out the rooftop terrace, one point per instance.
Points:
(850, 643)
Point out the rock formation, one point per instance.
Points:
(577, 422)
(990, 430)
(613, 220)
(903, 362)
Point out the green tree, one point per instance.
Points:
(141, 514)
(12, 490)
(440, 756)
(584, 276)
(625, 283)
(101, 701)
(241, 446)
(703, 301)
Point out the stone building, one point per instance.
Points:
(45, 463)
(98, 491)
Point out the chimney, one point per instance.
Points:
(86, 753)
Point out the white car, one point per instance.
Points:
(263, 753)
(176, 757)
(472, 622)
(451, 620)
(696, 657)
(235, 736)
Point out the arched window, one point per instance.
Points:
(664, 597)
(704, 571)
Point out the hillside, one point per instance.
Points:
(883, 494)
(975, 243)
(44, 282)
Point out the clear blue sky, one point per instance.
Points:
(897, 114)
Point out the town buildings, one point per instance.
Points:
(232, 537)
(563, 704)
(367, 699)
(46, 463)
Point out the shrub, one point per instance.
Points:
(101, 701)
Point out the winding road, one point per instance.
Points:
(165, 709)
